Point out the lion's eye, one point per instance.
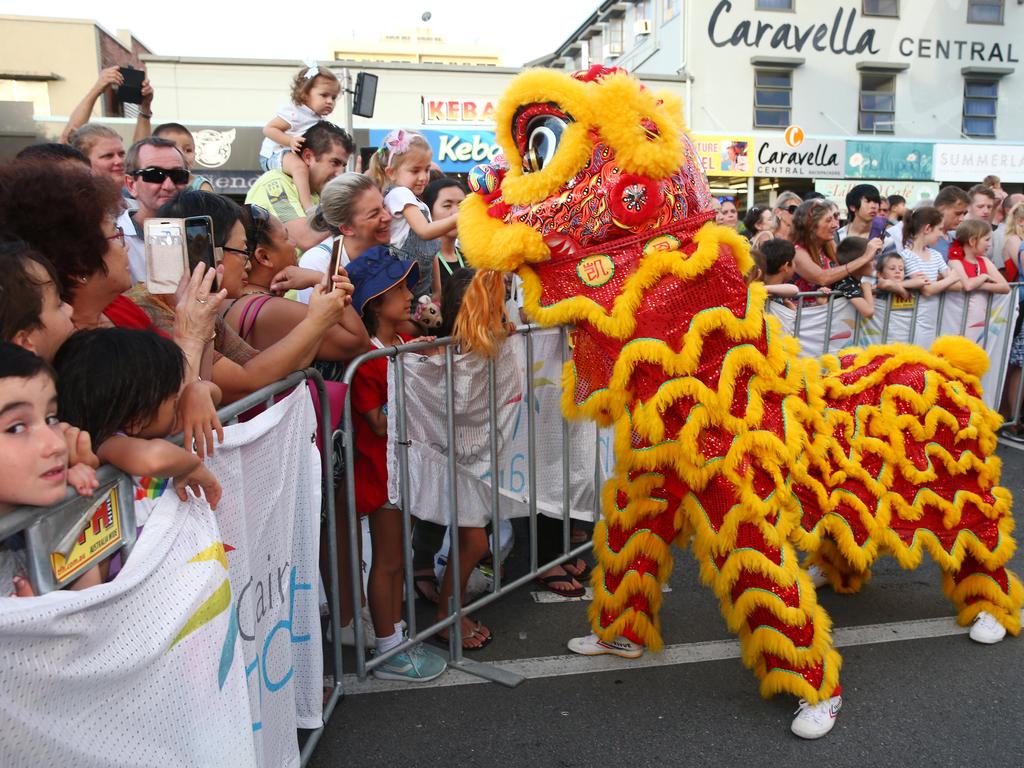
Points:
(543, 133)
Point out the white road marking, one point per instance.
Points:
(683, 653)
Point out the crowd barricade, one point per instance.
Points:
(256, 634)
(501, 467)
(835, 324)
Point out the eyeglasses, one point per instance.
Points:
(244, 253)
(118, 235)
(154, 175)
(261, 220)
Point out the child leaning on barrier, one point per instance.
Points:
(774, 267)
(382, 297)
(924, 267)
(122, 387)
(853, 286)
(967, 258)
(34, 455)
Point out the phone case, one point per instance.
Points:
(166, 255)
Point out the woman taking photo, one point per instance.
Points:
(814, 229)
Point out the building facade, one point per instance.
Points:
(829, 92)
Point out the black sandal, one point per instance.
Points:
(432, 580)
(548, 583)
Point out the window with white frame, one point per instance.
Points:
(980, 101)
(877, 106)
(773, 5)
(773, 98)
(889, 8)
(669, 9)
(985, 11)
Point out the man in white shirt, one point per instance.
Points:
(154, 174)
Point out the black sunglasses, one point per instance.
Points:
(154, 175)
(261, 221)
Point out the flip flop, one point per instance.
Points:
(431, 579)
(485, 640)
(565, 578)
(584, 572)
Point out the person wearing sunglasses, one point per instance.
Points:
(785, 206)
(155, 172)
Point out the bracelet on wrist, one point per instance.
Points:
(146, 115)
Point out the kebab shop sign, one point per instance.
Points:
(448, 110)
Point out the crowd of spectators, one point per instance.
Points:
(317, 267)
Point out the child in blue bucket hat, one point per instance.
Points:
(382, 297)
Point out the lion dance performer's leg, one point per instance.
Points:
(641, 520)
(843, 576)
(975, 588)
(746, 557)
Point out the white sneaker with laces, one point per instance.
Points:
(986, 629)
(818, 578)
(592, 645)
(348, 634)
(813, 721)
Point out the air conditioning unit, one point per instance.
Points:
(612, 50)
(642, 27)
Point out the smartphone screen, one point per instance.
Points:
(199, 237)
(166, 258)
(878, 226)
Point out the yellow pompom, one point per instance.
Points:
(961, 353)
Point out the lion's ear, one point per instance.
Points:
(228, 136)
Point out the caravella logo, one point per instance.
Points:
(836, 37)
(797, 156)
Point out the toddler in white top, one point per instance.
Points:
(315, 92)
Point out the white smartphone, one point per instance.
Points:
(166, 254)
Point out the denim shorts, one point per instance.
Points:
(273, 163)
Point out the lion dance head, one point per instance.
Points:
(595, 166)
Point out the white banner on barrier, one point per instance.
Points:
(988, 326)
(269, 515)
(205, 650)
(426, 427)
(139, 671)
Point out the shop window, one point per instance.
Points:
(980, 99)
(985, 11)
(877, 113)
(881, 8)
(773, 98)
(773, 5)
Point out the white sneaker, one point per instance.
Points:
(818, 578)
(813, 721)
(348, 634)
(592, 645)
(986, 629)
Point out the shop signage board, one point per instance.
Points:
(452, 110)
(916, 192)
(793, 155)
(973, 162)
(455, 151)
(725, 155)
(889, 160)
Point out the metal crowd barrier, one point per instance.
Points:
(456, 609)
(999, 362)
(48, 529)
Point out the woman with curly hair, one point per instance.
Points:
(814, 229)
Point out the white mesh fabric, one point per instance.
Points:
(269, 469)
(94, 678)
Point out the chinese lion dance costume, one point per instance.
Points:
(725, 439)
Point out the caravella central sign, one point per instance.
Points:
(795, 156)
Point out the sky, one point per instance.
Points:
(220, 29)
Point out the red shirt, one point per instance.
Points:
(125, 313)
(370, 391)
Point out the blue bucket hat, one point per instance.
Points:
(376, 271)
